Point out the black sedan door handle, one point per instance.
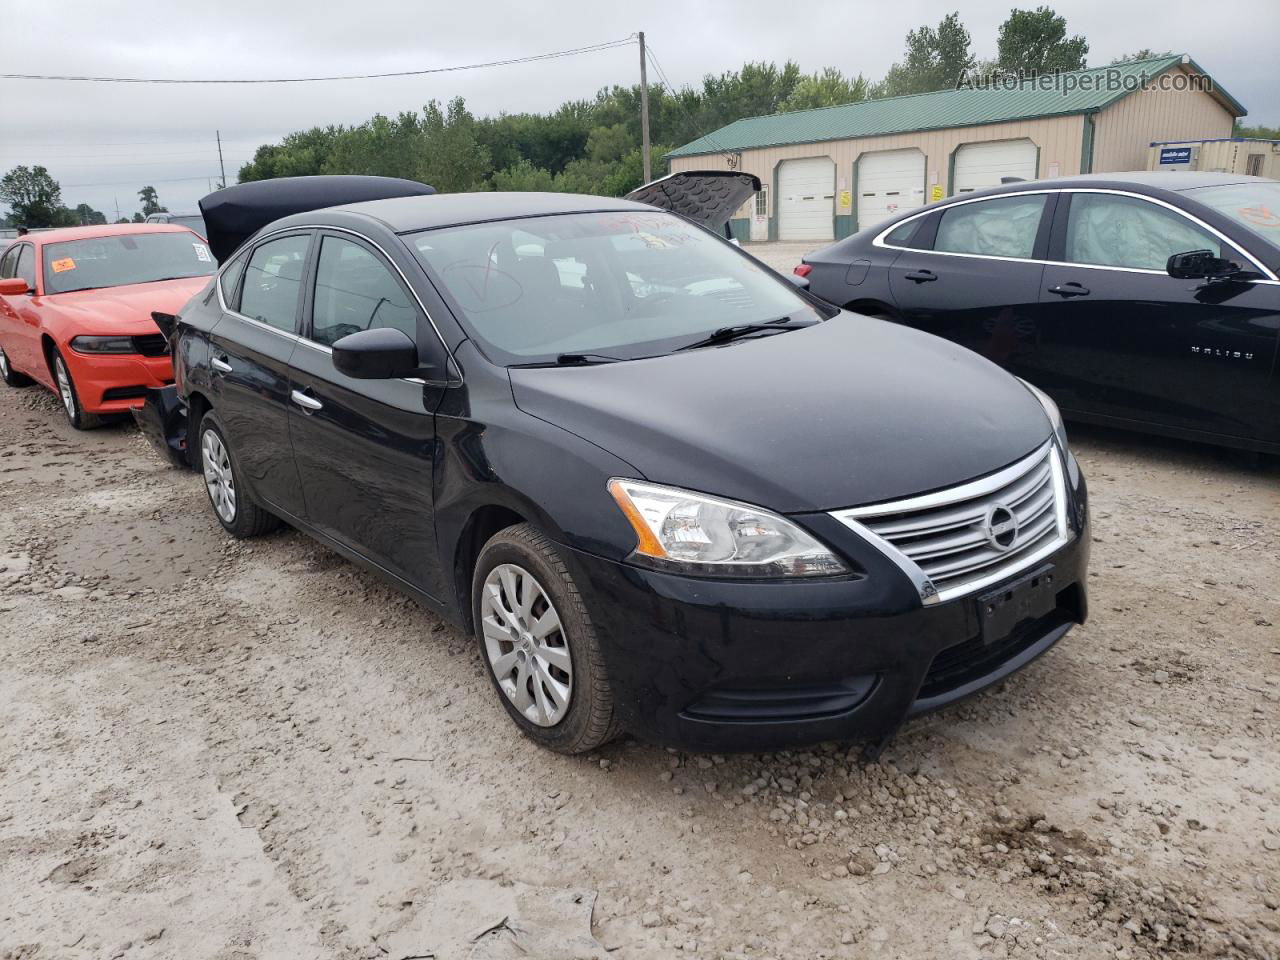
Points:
(1071, 289)
(220, 364)
(921, 276)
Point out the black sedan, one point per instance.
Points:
(1146, 300)
(666, 491)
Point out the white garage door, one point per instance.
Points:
(889, 182)
(806, 199)
(981, 165)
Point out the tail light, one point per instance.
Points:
(802, 270)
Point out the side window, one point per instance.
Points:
(1001, 227)
(1115, 231)
(273, 281)
(230, 279)
(356, 291)
(26, 268)
(9, 263)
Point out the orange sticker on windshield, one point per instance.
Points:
(1260, 215)
(63, 265)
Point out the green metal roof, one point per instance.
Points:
(1083, 91)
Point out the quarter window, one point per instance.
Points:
(1001, 227)
(9, 263)
(355, 291)
(273, 281)
(1115, 231)
(230, 279)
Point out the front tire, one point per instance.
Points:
(11, 376)
(70, 397)
(236, 510)
(539, 644)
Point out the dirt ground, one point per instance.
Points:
(212, 749)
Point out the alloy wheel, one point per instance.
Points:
(218, 477)
(526, 645)
(4, 365)
(64, 387)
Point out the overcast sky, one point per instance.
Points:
(104, 141)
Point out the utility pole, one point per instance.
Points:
(644, 113)
(117, 202)
(218, 133)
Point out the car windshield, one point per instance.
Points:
(127, 258)
(1254, 205)
(616, 285)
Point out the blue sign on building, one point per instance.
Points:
(1175, 155)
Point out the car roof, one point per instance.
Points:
(101, 230)
(1151, 182)
(407, 214)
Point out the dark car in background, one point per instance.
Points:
(665, 490)
(192, 221)
(1148, 300)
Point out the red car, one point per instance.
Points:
(75, 311)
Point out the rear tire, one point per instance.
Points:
(239, 514)
(527, 663)
(11, 376)
(69, 396)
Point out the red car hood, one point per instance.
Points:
(125, 309)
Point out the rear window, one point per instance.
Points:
(128, 258)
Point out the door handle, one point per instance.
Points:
(220, 365)
(1071, 289)
(921, 276)
(307, 403)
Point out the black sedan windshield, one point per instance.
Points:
(114, 261)
(620, 284)
(1253, 204)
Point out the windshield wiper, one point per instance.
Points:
(572, 360)
(729, 334)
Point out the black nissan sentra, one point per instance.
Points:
(667, 491)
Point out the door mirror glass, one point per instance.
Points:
(14, 286)
(1200, 265)
(383, 353)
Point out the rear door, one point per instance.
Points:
(365, 448)
(250, 350)
(1119, 337)
(975, 275)
(23, 315)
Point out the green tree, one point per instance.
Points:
(33, 196)
(1146, 53)
(829, 88)
(454, 159)
(150, 202)
(935, 59)
(1036, 41)
(86, 216)
(1256, 132)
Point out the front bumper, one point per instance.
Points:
(114, 383)
(717, 665)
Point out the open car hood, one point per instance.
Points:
(234, 214)
(708, 197)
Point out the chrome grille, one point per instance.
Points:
(954, 542)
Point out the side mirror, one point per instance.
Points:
(1200, 265)
(14, 287)
(799, 281)
(382, 353)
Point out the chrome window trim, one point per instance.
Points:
(879, 239)
(929, 593)
(298, 338)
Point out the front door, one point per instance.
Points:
(974, 278)
(250, 350)
(365, 448)
(1121, 338)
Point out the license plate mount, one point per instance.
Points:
(1029, 597)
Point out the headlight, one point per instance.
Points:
(1051, 410)
(694, 533)
(103, 345)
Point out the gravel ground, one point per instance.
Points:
(214, 749)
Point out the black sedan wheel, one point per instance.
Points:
(239, 515)
(538, 641)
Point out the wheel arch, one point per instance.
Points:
(873, 307)
(482, 523)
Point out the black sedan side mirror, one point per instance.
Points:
(1200, 265)
(382, 353)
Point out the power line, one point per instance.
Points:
(571, 52)
(112, 183)
(662, 77)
